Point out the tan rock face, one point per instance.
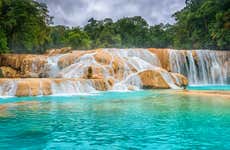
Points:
(118, 68)
(163, 56)
(153, 80)
(103, 57)
(35, 86)
(100, 84)
(111, 82)
(25, 65)
(95, 72)
(8, 72)
(52, 52)
(68, 59)
(179, 79)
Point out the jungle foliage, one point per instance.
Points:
(26, 27)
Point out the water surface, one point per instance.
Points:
(225, 87)
(113, 120)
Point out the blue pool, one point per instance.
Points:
(112, 120)
(209, 87)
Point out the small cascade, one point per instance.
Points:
(118, 70)
(168, 78)
(8, 88)
(201, 66)
(121, 65)
(72, 87)
(132, 82)
(52, 66)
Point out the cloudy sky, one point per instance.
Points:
(78, 12)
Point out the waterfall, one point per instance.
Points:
(8, 88)
(130, 62)
(72, 87)
(201, 66)
(118, 70)
(52, 65)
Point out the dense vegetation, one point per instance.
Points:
(202, 24)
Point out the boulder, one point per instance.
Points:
(180, 80)
(152, 79)
(103, 57)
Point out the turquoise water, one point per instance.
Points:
(134, 120)
(209, 87)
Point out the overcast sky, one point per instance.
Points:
(78, 12)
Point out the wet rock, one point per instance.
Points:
(152, 79)
(48, 86)
(43, 75)
(25, 65)
(52, 52)
(180, 80)
(163, 56)
(103, 57)
(8, 72)
(69, 58)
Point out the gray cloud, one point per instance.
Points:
(77, 12)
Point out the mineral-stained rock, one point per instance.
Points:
(152, 79)
(64, 50)
(48, 86)
(111, 82)
(103, 57)
(163, 56)
(118, 68)
(69, 58)
(25, 65)
(179, 79)
(97, 72)
(8, 72)
(33, 87)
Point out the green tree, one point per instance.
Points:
(133, 31)
(203, 24)
(3, 43)
(159, 36)
(59, 36)
(103, 33)
(78, 39)
(25, 25)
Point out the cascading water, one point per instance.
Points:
(120, 70)
(52, 65)
(201, 66)
(131, 62)
(8, 88)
